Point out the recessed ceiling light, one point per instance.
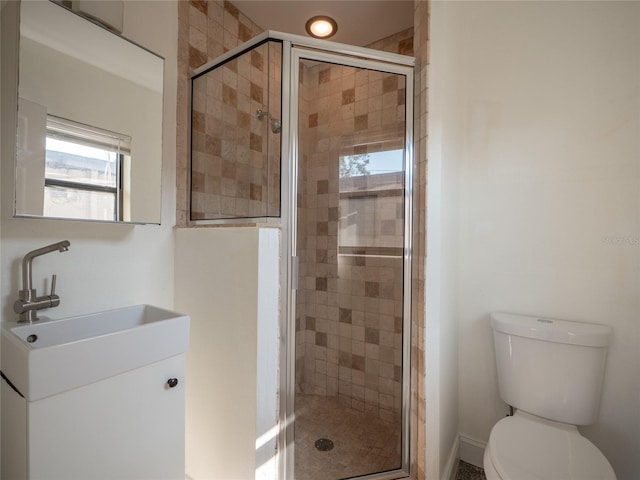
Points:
(321, 26)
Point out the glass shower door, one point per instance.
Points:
(352, 244)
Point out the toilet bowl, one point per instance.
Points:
(526, 447)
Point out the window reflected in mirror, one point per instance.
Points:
(85, 171)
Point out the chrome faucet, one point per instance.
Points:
(28, 302)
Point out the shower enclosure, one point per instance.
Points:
(321, 134)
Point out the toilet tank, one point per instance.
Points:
(551, 368)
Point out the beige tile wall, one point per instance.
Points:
(351, 304)
(401, 42)
(206, 30)
(418, 405)
(235, 159)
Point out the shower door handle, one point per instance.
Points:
(295, 272)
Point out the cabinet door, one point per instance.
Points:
(14, 434)
(126, 427)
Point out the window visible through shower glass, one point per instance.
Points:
(350, 242)
(371, 202)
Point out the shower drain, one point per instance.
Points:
(324, 444)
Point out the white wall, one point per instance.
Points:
(106, 265)
(541, 125)
(441, 342)
(227, 282)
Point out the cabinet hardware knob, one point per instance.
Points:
(172, 382)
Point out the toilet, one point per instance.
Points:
(550, 372)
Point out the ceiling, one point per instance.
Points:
(360, 22)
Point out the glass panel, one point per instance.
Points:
(68, 161)
(235, 137)
(67, 202)
(350, 241)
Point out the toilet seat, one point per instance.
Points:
(526, 447)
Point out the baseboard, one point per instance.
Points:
(471, 450)
(451, 467)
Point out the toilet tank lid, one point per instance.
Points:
(551, 330)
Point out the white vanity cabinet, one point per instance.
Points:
(126, 427)
(95, 397)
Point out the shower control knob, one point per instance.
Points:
(172, 382)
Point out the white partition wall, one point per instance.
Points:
(227, 281)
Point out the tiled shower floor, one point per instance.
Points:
(362, 443)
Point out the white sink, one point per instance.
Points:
(53, 356)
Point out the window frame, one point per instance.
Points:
(81, 134)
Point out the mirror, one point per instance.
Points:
(89, 129)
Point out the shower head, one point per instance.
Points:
(276, 126)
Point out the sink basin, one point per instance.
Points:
(53, 356)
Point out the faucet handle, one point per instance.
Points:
(54, 300)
